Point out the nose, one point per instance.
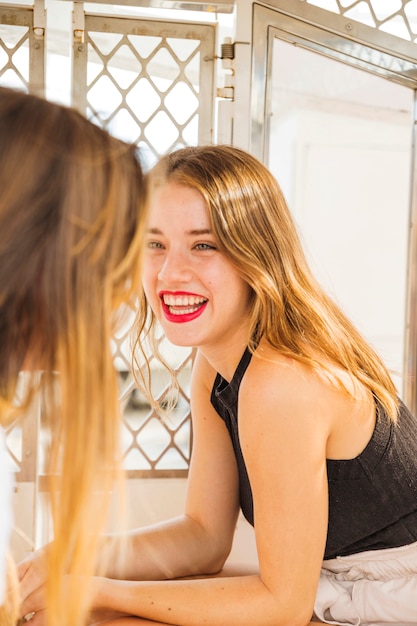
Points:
(175, 269)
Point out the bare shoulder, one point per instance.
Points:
(277, 378)
(291, 395)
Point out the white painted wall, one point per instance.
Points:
(340, 147)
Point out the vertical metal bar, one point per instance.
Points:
(37, 49)
(224, 122)
(79, 59)
(206, 84)
(30, 436)
(27, 480)
(258, 80)
(269, 87)
(242, 105)
(410, 348)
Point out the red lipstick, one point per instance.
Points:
(180, 307)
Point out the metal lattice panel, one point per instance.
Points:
(154, 443)
(150, 82)
(397, 17)
(21, 49)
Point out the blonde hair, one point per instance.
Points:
(254, 228)
(72, 209)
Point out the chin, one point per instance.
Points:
(178, 339)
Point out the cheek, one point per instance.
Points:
(245, 295)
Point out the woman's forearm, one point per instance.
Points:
(177, 548)
(215, 601)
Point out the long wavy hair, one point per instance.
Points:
(254, 229)
(72, 211)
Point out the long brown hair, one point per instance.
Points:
(72, 208)
(254, 229)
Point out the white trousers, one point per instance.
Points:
(371, 588)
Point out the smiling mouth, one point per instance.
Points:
(182, 304)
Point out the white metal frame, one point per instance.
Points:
(359, 45)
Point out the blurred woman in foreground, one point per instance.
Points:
(72, 208)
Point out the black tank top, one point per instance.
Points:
(372, 498)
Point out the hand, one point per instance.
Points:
(32, 577)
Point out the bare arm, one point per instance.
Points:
(199, 541)
(283, 429)
(195, 543)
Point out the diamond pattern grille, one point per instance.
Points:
(396, 17)
(15, 44)
(155, 442)
(149, 82)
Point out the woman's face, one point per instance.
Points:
(194, 290)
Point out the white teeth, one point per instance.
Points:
(171, 300)
(181, 311)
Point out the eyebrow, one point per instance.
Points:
(194, 232)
